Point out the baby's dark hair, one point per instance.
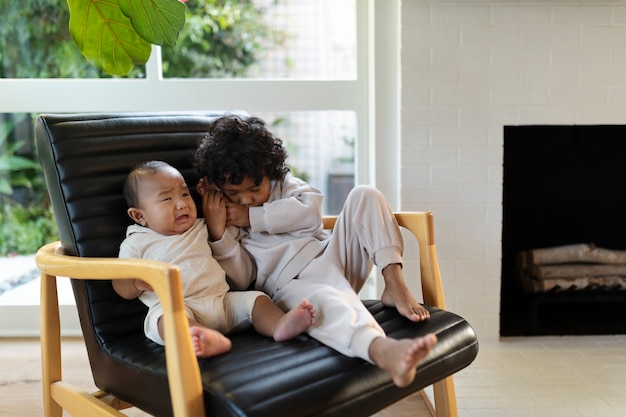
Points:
(132, 181)
(237, 147)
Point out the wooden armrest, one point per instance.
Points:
(182, 365)
(422, 225)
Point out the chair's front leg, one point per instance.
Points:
(50, 337)
(445, 398)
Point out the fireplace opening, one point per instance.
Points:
(563, 186)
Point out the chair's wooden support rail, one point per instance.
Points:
(421, 225)
(76, 401)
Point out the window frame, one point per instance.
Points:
(373, 96)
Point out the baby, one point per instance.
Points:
(167, 229)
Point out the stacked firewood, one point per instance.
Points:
(571, 267)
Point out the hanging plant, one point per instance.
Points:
(117, 35)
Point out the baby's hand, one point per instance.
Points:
(142, 286)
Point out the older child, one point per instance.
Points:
(279, 237)
(167, 229)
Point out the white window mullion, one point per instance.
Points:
(154, 67)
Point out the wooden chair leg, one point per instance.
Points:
(445, 398)
(50, 337)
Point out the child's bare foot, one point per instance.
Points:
(295, 322)
(400, 357)
(208, 342)
(397, 294)
(405, 303)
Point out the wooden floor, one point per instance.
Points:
(20, 380)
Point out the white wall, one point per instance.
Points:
(469, 67)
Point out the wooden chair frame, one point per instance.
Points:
(182, 367)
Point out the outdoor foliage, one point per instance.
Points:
(24, 229)
(201, 38)
(15, 169)
(37, 43)
(26, 220)
(221, 38)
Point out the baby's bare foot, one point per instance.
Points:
(295, 322)
(401, 357)
(208, 342)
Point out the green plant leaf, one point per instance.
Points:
(16, 163)
(157, 21)
(106, 37)
(5, 186)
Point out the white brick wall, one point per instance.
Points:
(469, 67)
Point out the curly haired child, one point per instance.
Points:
(265, 226)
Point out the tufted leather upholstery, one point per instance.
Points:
(85, 159)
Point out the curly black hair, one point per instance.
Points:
(237, 147)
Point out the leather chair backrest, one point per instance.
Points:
(91, 154)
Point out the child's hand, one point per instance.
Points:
(214, 210)
(204, 186)
(238, 215)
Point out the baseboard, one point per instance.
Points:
(23, 321)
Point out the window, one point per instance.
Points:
(311, 106)
(268, 39)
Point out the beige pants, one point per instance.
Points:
(366, 234)
(227, 312)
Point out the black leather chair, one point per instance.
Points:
(85, 158)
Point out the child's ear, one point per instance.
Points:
(137, 215)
